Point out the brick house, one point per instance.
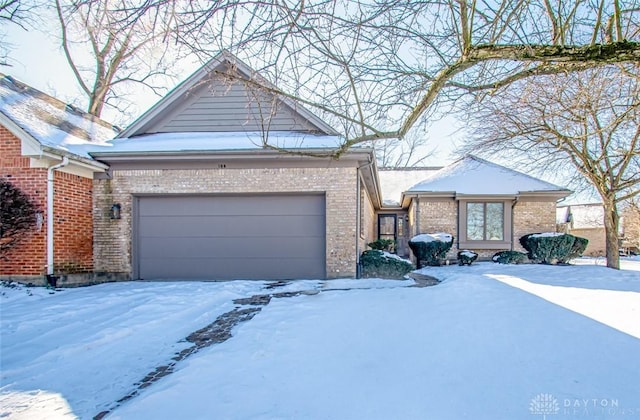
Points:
(42, 143)
(195, 188)
(587, 221)
(485, 206)
(203, 195)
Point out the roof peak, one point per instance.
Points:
(471, 175)
(206, 73)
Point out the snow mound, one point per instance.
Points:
(431, 237)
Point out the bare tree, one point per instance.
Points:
(413, 150)
(586, 121)
(124, 49)
(377, 69)
(15, 12)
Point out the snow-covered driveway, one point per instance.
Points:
(476, 346)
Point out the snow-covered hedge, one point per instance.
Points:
(552, 247)
(380, 264)
(466, 257)
(431, 248)
(510, 257)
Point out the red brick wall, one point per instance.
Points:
(73, 224)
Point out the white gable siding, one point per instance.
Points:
(221, 106)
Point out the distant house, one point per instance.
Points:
(587, 221)
(43, 151)
(194, 188)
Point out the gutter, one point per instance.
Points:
(50, 178)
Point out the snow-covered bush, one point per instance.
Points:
(510, 257)
(466, 257)
(380, 264)
(552, 247)
(431, 248)
(382, 245)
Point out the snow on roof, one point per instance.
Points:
(474, 176)
(50, 121)
(395, 181)
(217, 141)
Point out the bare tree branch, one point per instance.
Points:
(588, 121)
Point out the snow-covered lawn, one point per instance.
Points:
(492, 341)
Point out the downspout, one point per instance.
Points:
(65, 162)
(513, 233)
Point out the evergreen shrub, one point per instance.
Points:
(553, 248)
(378, 264)
(431, 248)
(466, 257)
(510, 257)
(382, 244)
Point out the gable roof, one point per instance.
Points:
(219, 97)
(473, 176)
(46, 124)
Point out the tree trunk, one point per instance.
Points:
(611, 224)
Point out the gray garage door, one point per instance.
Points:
(230, 237)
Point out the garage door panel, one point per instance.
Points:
(226, 269)
(229, 226)
(226, 205)
(231, 237)
(284, 248)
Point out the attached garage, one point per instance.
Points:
(226, 237)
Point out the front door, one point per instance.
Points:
(387, 226)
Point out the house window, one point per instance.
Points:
(387, 226)
(485, 221)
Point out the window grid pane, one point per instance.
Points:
(494, 222)
(475, 221)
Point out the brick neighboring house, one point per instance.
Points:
(200, 192)
(587, 221)
(41, 152)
